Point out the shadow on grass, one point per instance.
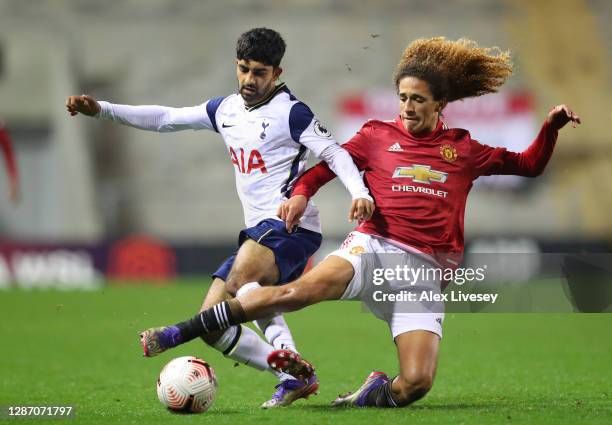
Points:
(418, 407)
(215, 412)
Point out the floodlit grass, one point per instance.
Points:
(81, 349)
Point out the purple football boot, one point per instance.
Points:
(358, 398)
(292, 389)
(155, 341)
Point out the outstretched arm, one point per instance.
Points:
(145, 117)
(532, 161)
(561, 115)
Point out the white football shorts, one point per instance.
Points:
(401, 316)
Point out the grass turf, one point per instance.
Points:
(81, 348)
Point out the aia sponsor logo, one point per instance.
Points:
(248, 165)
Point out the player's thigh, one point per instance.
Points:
(417, 352)
(326, 281)
(254, 263)
(216, 294)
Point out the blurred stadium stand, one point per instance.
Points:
(85, 181)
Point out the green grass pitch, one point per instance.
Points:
(81, 349)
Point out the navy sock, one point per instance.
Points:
(218, 317)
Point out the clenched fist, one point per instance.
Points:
(84, 104)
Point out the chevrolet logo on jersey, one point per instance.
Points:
(420, 174)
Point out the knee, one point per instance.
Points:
(413, 385)
(234, 282)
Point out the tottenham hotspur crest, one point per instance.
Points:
(263, 134)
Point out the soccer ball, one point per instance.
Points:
(187, 384)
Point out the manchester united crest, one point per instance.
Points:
(357, 250)
(448, 152)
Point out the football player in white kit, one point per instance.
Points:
(268, 134)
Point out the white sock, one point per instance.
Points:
(274, 327)
(247, 287)
(277, 332)
(244, 345)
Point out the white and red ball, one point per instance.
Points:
(187, 384)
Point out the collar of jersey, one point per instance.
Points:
(267, 100)
(425, 137)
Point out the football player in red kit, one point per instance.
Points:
(419, 173)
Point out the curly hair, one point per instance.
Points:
(454, 69)
(262, 45)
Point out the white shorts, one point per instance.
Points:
(398, 317)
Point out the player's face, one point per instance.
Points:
(418, 109)
(255, 80)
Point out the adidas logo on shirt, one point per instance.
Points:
(395, 148)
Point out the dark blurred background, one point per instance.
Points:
(99, 200)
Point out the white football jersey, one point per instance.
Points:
(267, 144)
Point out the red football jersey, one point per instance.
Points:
(420, 184)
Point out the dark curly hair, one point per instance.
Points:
(262, 45)
(454, 69)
